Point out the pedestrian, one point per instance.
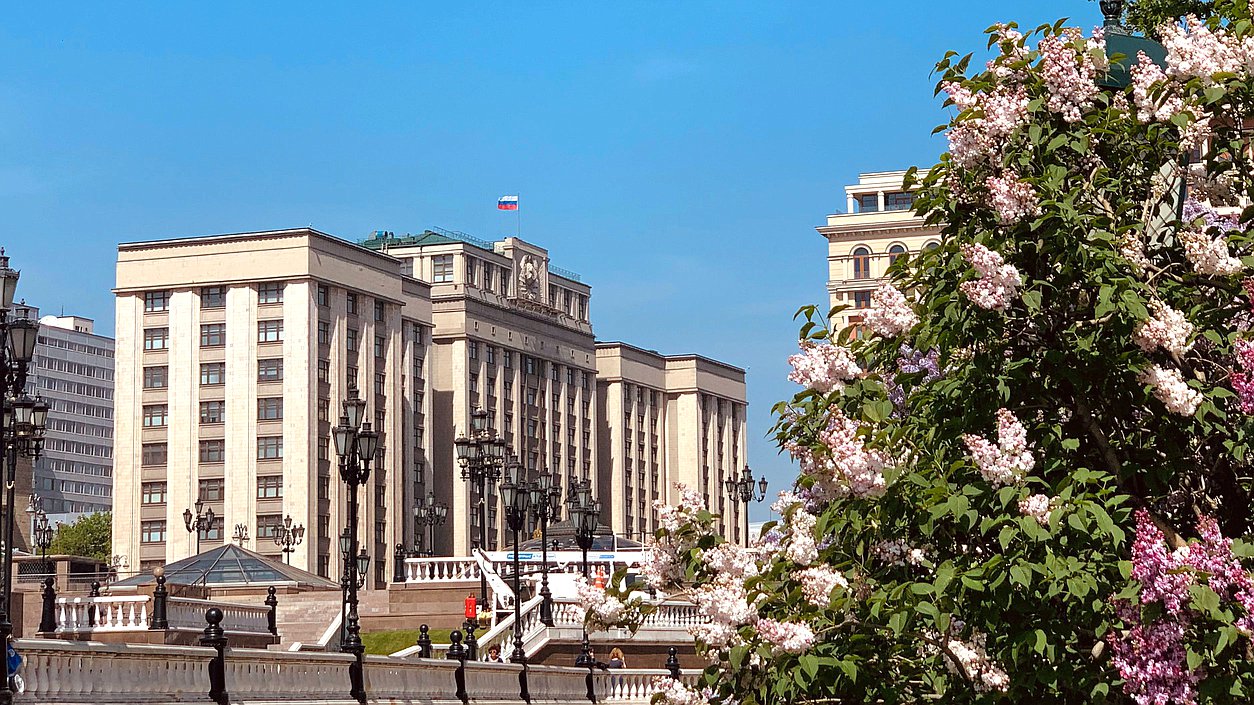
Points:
(494, 654)
(616, 658)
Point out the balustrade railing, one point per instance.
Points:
(189, 613)
(132, 613)
(635, 685)
(441, 570)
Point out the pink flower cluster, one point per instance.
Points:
(1007, 461)
(1069, 67)
(890, 314)
(1152, 661)
(1037, 506)
(1012, 199)
(788, 637)
(991, 118)
(669, 691)
(998, 283)
(800, 546)
(1209, 255)
(1170, 388)
(1243, 381)
(850, 469)
(897, 552)
(672, 516)
(825, 368)
(1196, 50)
(1166, 328)
(817, 584)
(1155, 98)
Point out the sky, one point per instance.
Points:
(677, 155)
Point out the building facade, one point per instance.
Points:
(878, 227)
(234, 353)
(512, 335)
(668, 419)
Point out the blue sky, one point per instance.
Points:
(676, 155)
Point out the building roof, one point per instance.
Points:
(232, 565)
(610, 344)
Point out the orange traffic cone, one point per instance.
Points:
(600, 581)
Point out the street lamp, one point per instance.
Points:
(241, 534)
(200, 524)
(22, 425)
(546, 506)
(289, 537)
(481, 455)
(117, 564)
(41, 533)
(742, 490)
(355, 444)
(432, 514)
(515, 498)
(585, 513)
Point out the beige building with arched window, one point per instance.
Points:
(877, 227)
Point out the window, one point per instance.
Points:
(570, 377)
(352, 304)
(489, 274)
(324, 295)
(417, 334)
(269, 331)
(868, 203)
(931, 245)
(862, 299)
(270, 369)
(213, 297)
(153, 454)
(213, 335)
(380, 345)
(898, 201)
(212, 451)
(214, 532)
(210, 490)
(509, 359)
(324, 332)
(351, 374)
(212, 412)
(155, 415)
(152, 532)
(530, 364)
(324, 410)
(212, 373)
(378, 311)
(155, 301)
(156, 338)
(442, 269)
(269, 447)
(324, 370)
(557, 373)
(324, 487)
(472, 349)
(156, 377)
(491, 351)
(270, 293)
(861, 263)
(380, 383)
(268, 525)
(269, 486)
(270, 408)
(895, 253)
(153, 493)
(351, 341)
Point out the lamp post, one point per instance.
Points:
(546, 506)
(41, 534)
(432, 514)
(742, 490)
(355, 444)
(201, 523)
(117, 564)
(289, 537)
(481, 455)
(21, 432)
(585, 513)
(515, 498)
(240, 535)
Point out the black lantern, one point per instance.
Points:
(200, 524)
(481, 455)
(742, 490)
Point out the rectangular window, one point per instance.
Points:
(268, 525)
(270, 293)
(380, 345)
(269, 331)
(324, 449)
(324, 332)
(509, 359)
(378, 311)
(156, 301)
(213, 451)
(324, 410)
(213, 297)
(156, 338)
(472, 269)
(270, 408)
(442, 269)
(155, 415)
(472, 349)
(489, 276)
(324, 370)
(491, 353)
(270, 369)
(156, 377)
(213, 335)
(152, 532)
(324, 487)
(530, 364)
(324, 295)
(380, 382)
(269, 486)
(570, 376)
(214, 532)
(212, 412)
(862, 299)
(153, 493)
(352, 304)
(898, 201)
(210, 490)
(153, 454)
(269, 447)
(868, 202)
(351, 374)
(212, 373)
(351, 341)
(417, 334)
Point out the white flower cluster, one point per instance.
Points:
(817, 584)
(824, 368)
(850, 469)
(890, 314)
(1171, 389)
(605, 609)
(1166, 328)
(799, 536)
(1037, 506)
(970, 660)
(1007, 461)
(669, 691)
(1011, 198)
(1209, 255)
(788, 637)
(897, 552)
(1070, 65)
(998, 282)
(673, 516)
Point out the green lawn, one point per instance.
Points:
(384, 643)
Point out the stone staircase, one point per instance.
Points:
(304, 617)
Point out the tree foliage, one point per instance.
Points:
(91, 535)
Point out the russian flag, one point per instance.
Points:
(507, 203)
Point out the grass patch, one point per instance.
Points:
(389, 642)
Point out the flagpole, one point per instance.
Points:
(518, 210)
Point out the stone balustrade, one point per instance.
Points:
(63, 673)
(132, 613)
(441, 570)
(189, 613)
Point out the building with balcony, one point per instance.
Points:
(877, 228)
